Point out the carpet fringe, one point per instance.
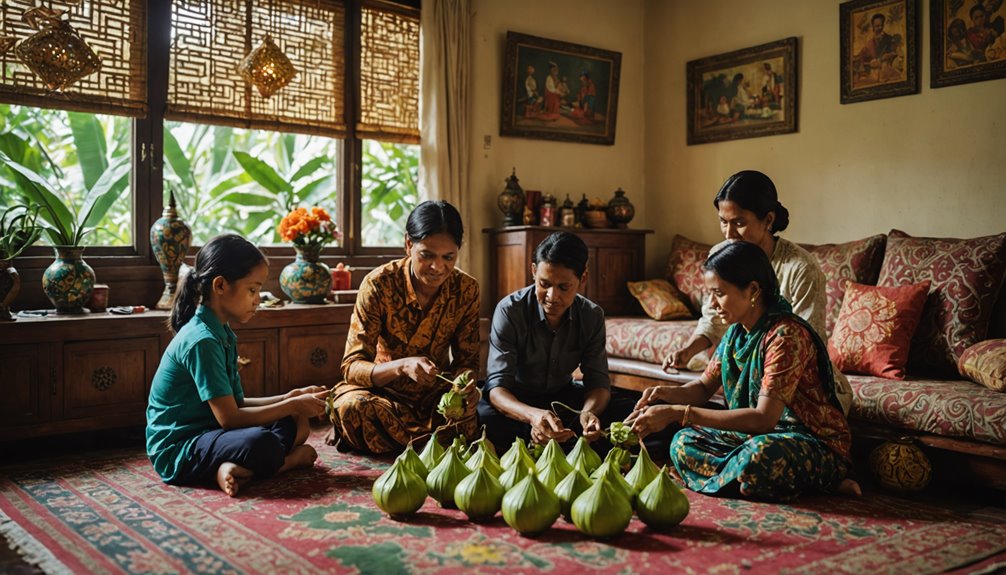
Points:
(29, 548)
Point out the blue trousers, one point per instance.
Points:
(259, 449)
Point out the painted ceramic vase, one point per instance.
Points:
(68, 282)
(620, 209)
(170, 238)
(10, 286)
(306, 280)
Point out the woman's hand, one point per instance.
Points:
(591, 425)
(546, 425)
(653, 418)
(652, 396)
(676, 359)
(421, 370)
(472, 395)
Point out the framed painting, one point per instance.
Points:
(968, 41)
(743, 94)
(880, 49)
(555, 90)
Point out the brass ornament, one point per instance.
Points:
(56, 53)
(899, 464)
(267, 68)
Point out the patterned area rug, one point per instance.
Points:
(109, 513)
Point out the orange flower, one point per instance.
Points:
(308, 228)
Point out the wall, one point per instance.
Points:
(932, 163)
(558, 168)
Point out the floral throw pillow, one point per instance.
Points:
(659, 299)
(684, 269)
(966, 277)
(857, 261)
(875, 327)
(985, 363)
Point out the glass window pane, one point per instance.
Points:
(390, 190)
(244, 181)
(79, 155)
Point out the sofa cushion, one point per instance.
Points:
(857, 261)
(985, 363)
(948, 407)
(684, 269)
(659, 299)
(646, 339)
(875, 328)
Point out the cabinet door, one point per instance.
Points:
(615, 267)
(108, 378)
(258, 362)
(311, 355)
(27, 383)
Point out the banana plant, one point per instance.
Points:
(390, 190)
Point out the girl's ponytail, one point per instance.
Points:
(186, 301)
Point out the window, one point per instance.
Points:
(343, 135)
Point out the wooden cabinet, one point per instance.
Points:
(62, 374)
(616, 257)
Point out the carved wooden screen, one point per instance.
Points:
(389, 74)
(115, 31)
(211, 37)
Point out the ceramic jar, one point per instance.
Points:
(620, 209)
(69, 280)
(170, 238)
(306, 280)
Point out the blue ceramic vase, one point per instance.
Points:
(68, 282)
(170, 238)
(306, 280)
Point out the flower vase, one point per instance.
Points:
(10, 285)
(306, 280)
(170, 238)
(68, 282)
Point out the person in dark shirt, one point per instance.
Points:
(540, 335)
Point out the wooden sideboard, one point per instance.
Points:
(616, 256)
(62, 374)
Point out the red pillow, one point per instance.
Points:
(857, 261)
(684, 269)
(875, 328)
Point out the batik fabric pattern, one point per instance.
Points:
(388, 323)
(809, 449)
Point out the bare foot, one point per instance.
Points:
(231, 476)
(301, 456)
(850, 487)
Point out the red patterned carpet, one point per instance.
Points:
(108, 513)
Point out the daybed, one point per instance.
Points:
(959, 419)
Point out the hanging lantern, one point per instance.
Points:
(56, 53)
(899, 464)
(267, 68)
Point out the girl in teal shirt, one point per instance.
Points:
(200, 426)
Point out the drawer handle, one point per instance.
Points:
(103, 378)
(319, 357)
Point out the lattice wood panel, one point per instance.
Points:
(115, 30)
(211, 37)
(389, 75)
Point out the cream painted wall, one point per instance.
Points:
(933, 163)
(558, 168)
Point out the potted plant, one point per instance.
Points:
(18, 229)
(68, 282)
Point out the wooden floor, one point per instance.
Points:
(11, 563)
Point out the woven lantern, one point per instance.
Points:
(899, 464)
(267, 68)
(56, 53)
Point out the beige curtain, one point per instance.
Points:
(445, 32)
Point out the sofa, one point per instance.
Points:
(946, 336)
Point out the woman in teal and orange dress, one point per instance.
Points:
(415, 319)
(784, 432)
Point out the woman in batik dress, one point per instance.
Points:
(784, 432)
(415, 319)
